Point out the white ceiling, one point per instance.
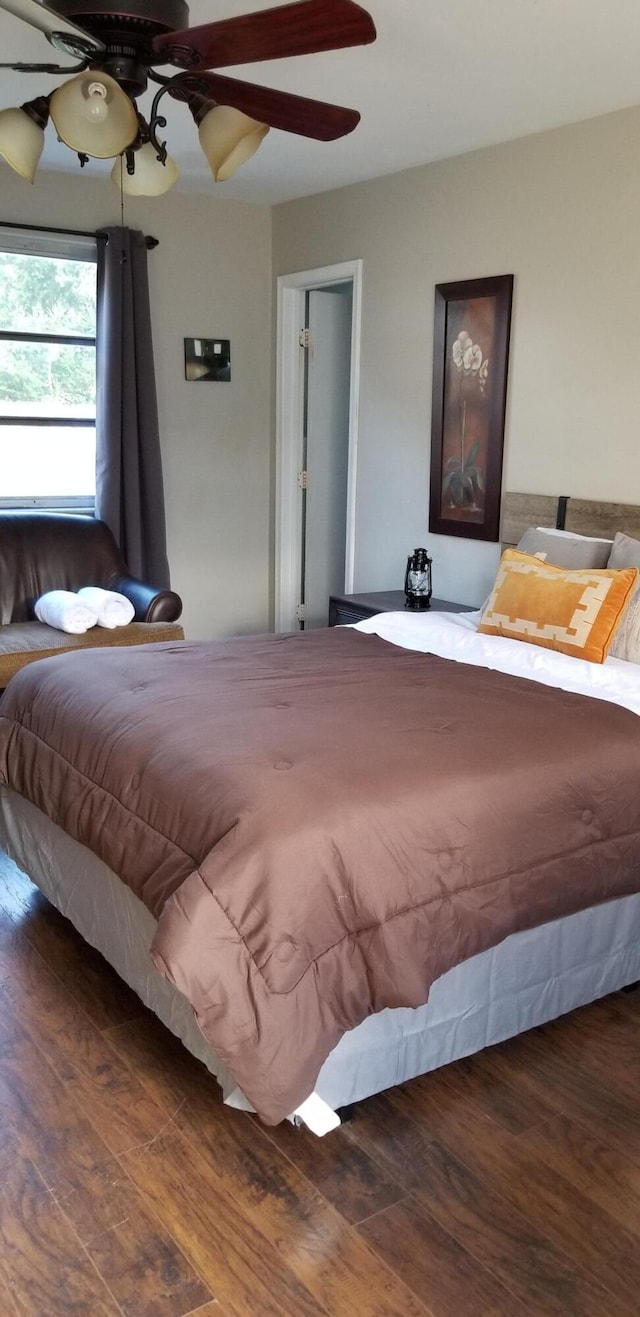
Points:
(443, 77)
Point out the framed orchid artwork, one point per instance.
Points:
(470, 356)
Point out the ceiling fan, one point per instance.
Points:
(119, 50)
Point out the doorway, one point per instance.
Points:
(318, 359)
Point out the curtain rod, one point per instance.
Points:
(75, 233)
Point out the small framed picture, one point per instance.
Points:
(207, 359)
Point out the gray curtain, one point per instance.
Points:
(129, 489)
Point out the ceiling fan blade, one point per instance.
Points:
(47, 21)
(302, 28)
(293, 114)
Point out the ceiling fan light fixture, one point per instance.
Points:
(151, 177)
(22, 139)
(229, 138)
(120, 49)
(93, 115)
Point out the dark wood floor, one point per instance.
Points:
(501, 1186)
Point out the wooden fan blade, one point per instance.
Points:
(47, 21)
(302, 28)
(293, 114)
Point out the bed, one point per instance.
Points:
(509, 970)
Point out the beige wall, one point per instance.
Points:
(560, 211)
(209, 276)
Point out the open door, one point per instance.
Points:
(326, 449)
(318, 375)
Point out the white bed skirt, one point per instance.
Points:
(529, 978)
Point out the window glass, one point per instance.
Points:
(41, 462)
(47, 378)
(47, 295)
(59, 379)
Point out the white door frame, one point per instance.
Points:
(292, 289)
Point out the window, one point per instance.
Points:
(47, 370)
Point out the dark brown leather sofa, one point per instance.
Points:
(41, 551)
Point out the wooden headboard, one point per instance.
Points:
(584, 516)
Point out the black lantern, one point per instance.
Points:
(417, 580)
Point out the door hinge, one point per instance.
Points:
(301, 613)
(303, 479)
(305, 338)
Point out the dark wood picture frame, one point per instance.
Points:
(472, 321)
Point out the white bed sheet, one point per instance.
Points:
(529, 978)
(455, 636)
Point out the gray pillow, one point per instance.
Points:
(626, 642)
(566, 550)
(625, 552)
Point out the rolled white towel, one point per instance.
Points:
(63, 610)
(112, 609)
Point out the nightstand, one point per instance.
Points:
(345, 608)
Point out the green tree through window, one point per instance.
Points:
(47, 377)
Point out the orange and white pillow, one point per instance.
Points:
(575, 612)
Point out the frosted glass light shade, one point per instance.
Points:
(21, 142)
(151, 178)
(92, 114)
(229, 138)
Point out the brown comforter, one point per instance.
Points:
(324, 823)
